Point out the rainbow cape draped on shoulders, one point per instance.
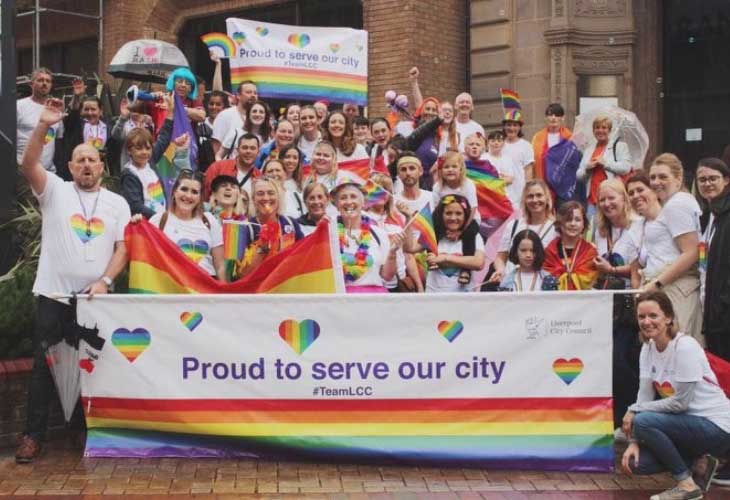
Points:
(583, 273)
(540, 149)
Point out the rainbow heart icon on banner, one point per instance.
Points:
(665, 389)
(450, 329)
(239, 37)
(262, 31)
(86, 230)
(191, 320)
(131, 344)
(568, 369)
(299, 334)
(299, 40)
(335, 47)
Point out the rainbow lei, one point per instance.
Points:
(354, 266)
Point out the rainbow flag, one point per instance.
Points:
(221, 43)
(510, 99)
(157, 265)
(166, 169)
(573, 434)
(374, 193)
(423, 222)
(491, 190)
(359, 169)
(236, 237)
(304, 84)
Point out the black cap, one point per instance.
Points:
(223, 179)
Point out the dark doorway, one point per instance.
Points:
(696, 76)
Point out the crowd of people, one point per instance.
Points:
(614, 224)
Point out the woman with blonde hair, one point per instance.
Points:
(451, 179)
(227, 200)
(602, 160)
(669, 254)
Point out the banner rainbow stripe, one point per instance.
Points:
(308, 85)
(220, 41)
(511, 433)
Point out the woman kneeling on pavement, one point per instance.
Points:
(689, 425)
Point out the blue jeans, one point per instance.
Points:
(671, 442)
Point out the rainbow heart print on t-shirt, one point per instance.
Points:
(665, 389)
(86, 230)
(195, 250)
(50, 135)
(450, 271)
(156, 194)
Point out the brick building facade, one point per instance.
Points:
(663, 60)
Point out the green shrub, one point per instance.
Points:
(17, 314)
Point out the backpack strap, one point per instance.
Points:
(233, 145)
(514, 229)
(163, 220)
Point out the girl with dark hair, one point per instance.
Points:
(257, 122)
(528, 256)
(283, 136)
(459, 246)
(569, 257)
(713, 181)
(681, 414)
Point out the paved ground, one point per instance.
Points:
(62, 471)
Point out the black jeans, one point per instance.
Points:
(52, 321)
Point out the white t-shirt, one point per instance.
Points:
(626, 243)
(464, 130)
(706, 239)
(230, 138)
(505, 165)
(424, 198)
(29, 112)
(307, 147)
(227, 120)
(400, 259)
(520, 151)
(76, 248)
(378, 250)
(553, 138)
(545, 231)
(293, 204)
(359, 153)
(193, 237)
(679, 215)
(683, 360)
(446, 279)
(154, 195)
(404, 128)
(467, 189)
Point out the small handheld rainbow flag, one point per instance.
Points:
(356, 168)
(423, 222)
(374, 193)
(510, 99)
(221, 43)
(236, 236)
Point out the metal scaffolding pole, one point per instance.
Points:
(38, 10)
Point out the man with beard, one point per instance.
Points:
(411, 198)
(235, 116)
(242, 167)
(82, 250)
(29, 110)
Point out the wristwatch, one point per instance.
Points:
(107, 280)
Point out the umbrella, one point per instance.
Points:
(626, 128)
(146, 60)
(62, 358)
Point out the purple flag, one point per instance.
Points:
(181, 125)
(561, 163)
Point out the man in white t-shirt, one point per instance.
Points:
(465, 126)
(82, 250)
(235, 116)
(28, 112)
(410, 197)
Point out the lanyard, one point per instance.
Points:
(518, 282)
(610, 242)
(88, 218)
(569, 264)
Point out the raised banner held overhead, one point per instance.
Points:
(489, 380)
(300, 62)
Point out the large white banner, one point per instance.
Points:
(300, 62)
(515, 380)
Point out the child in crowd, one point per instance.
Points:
(451, 179)
(509, 171)
(528, 255)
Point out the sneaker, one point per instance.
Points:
(28, 450)
(703, 471)
(677, 493)
(619, 436)
(722, 476)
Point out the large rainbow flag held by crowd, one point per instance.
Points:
(157, 266)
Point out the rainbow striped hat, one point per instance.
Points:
(513, 115)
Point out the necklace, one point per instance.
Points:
(570, 263)
(88, 218)
(355, 265)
